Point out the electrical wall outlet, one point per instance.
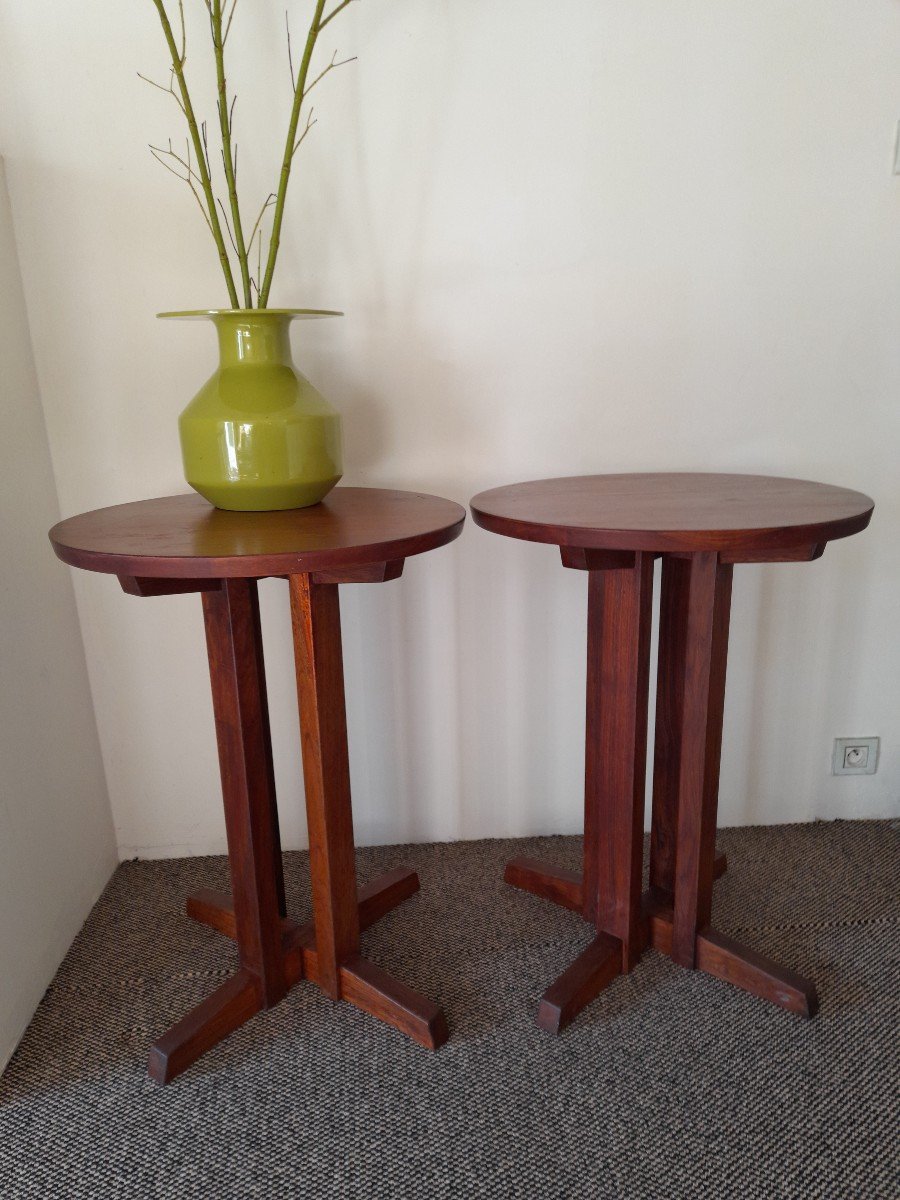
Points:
(855, 756)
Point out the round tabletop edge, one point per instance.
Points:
(258, 565)
(572, 534)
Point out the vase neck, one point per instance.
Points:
(253, 337)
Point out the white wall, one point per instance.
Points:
(57, 848)
(588, 236)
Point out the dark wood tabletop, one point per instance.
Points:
(184, 537)
(673, 512)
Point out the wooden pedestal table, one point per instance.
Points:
(181, 544)
(613, 527)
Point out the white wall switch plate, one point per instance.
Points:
(855, 756)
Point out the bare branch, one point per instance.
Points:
(153, 83)
(212, 26)
(309, 124)
(227, 225)
(160, 156)
(256, 235)
(287, 25)
(332, 66)
(205, 138)
(259, 267)
(170, 153)
(333, 14)
(196, 196)
(169, 91)
(182, 162)
(234, 4)
(270, 200)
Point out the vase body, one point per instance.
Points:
(258, 436)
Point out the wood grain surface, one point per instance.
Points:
(674, 511)
(184, 537)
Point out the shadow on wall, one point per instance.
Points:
(467, 735)
(390, 264)
(793, 666)
(465, 693)
(450, 736)
(113, 378)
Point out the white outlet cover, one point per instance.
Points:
(867, 757)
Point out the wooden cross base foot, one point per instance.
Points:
(580, 983)
(727, 959)
(561, 885)
(362, 983)
(377, 898)
(236, 1001)
(597, 965)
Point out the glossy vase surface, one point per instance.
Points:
(258, 436)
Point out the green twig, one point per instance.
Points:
(199, 177)
(228, 158)
(203, 173)
(334, 13)
(289, 148)
(292, 142)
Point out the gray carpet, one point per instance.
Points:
(671, 1085)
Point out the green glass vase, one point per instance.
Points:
(258, 436)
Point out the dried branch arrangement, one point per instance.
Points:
(194, 166)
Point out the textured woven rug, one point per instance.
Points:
(671, 1085)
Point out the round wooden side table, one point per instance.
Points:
(613, 527)
(181, 544)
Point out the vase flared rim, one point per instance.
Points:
(299, 314)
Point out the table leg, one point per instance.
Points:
(669, 718)
(333, 960)
(315, 612)
(263, 693)
(274, 951)
(703, 603)
(666, 747)
(618, 671)
(694, 623)
(609, 892)
(231, 614)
